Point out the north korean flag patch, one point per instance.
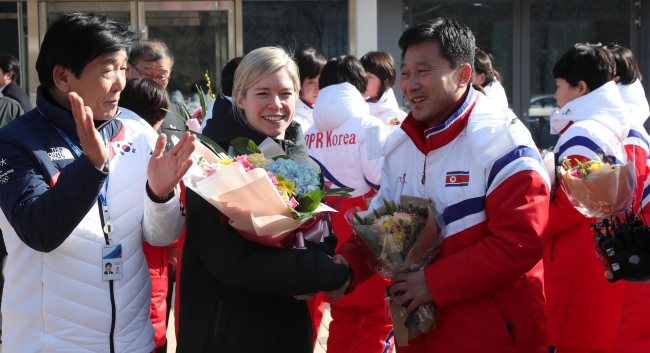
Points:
(457, 178)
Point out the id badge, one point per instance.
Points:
(112, 262)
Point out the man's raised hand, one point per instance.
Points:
(92, 142)
(165, 171)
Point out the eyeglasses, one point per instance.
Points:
(161, 79)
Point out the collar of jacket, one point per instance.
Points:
(63, 119)
(429, 139)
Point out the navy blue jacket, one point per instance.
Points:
(16, 93)
(45, 190)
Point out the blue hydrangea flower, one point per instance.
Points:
(303, 175)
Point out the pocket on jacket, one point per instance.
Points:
(503, 326)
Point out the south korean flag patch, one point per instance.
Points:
(125, 148)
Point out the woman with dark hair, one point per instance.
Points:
(310, 64)
(486, 76)
(593, 120)
(337, 142)
(382, 74)
(146, 98)
(628, 81)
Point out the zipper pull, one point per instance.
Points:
(424, 171)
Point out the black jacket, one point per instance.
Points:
(236, 295)
(9, 110)
(16, 93)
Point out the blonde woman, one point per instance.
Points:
(237, 295)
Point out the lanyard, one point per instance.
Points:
(103, 193)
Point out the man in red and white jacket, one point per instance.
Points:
(479, 165)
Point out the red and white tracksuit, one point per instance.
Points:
(583, 310)
(337, 142)
(634, 332)
(491, 193)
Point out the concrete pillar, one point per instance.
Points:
(363, 26)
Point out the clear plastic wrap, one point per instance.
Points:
(401, 239)
(607, 190)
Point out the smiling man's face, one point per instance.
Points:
(431, 85)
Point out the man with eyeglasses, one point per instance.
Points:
(152, 59)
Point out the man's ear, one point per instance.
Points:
(464, 75)
(10, 74)
(583, 88)
(129, 70)
(61, 76)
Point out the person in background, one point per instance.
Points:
(359, 321)
(9, 73)
(486, 76)
(74, 164)
(382, 74)
(222, 104)
(487, 281)
(9, 110)
(583, 310)
(152, 59)
(238, 295)
(145, 98)
(634, 332)
(310, 64)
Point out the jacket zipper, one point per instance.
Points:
(424, 170)
(552, 248)
(110, 284)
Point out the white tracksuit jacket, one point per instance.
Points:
(386, 107)
(304, 115)
(337, 140)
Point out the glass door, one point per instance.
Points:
(197, 33)
(120, 11)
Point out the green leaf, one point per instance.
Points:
(206, 141)
(321, 177)
(242, 145)
(204, 109)
(302, 215)
(178, 115)
(310, 201)
(187, 112)
(343, 192)
(280, 157)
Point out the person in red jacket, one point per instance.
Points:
(487, 281)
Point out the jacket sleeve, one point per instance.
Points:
(44, 216)
(517, 212)
(240, 263)
(163, 222)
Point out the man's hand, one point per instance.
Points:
(165, 171)
(91, 140)
(339, 293)
(415, 286)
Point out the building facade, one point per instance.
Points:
(526, 37)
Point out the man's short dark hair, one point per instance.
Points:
(76, 38)
(145, 97)
(228, 75)
(626, 67)
(108, 264)
(8, 63)
(381, 65)
(345, 68)
(457, 43)
(146, 50)
(310, 63)
(586, 63)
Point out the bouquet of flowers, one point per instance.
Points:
(394, 121)
(597, 188)
(264, 195)
(398, 238)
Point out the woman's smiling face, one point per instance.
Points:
(270, 103)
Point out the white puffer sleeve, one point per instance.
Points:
(163, 222)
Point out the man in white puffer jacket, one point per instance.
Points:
(81, 188)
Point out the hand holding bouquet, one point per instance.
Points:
(398, 238)
(597, 188)
(267, 200)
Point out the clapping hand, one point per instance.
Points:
(415, 287)
(92, 142)
(165, 171)
(339, 293)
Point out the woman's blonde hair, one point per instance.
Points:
(260, 63)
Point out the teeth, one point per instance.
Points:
(416, 100)
(273, 118)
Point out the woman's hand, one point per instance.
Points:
(339, 293)
(92, 142)
(165, 171)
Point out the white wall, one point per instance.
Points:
(365, 26)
